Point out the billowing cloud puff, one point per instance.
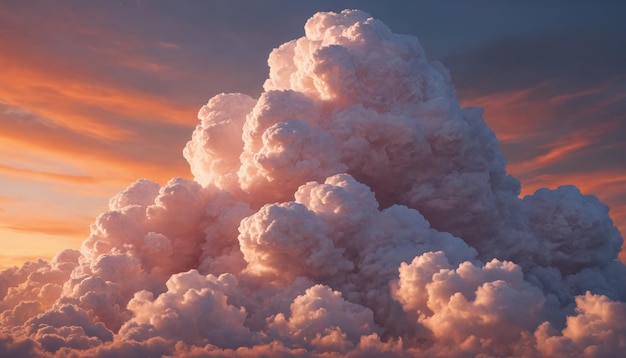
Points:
(353, 210)
(216, 142)
(596, 330)
(472, 308)
(573, 231)
(284, 241)
(194, 309)
(67, 326)
(322, 320)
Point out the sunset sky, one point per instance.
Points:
(95, 95)
(307, 179)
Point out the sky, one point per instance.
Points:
(95, 95)
(242, 179)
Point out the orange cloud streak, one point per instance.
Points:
(7, 261)
(78, 103)
(21, 172)
(6, 200)
(562, 149)
(52, 229)
(72, 93)
(29, 236)
(93, 156)
(512, 115)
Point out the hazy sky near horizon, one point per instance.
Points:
(95, 95)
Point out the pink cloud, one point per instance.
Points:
(356, 210)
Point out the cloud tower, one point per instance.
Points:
(353, 209)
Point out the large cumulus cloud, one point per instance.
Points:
(353, 209)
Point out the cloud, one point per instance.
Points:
(594, 331)
(284, 241)
(7, 200)
(21, 347)
(47, 223)
(576, 78)
(165, 316)
(608, 185)
(53, 229)
(547, 119)
(353, 209)
(474, 309)
(46, 175)
(322, 320)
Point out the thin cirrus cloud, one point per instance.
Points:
(35, 174)
(40, 236)
(74, 95)
(50, 226)
(95, 156)
(87, 169)
(6, 200)
(566, 149)
(94, 94)
(76, 89)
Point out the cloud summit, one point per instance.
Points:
(353, 209)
